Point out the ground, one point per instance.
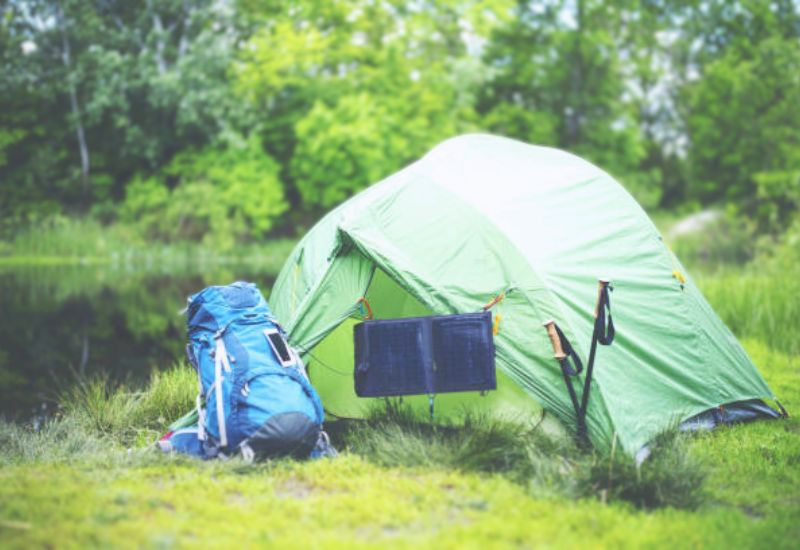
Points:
(139, 498)
(345, 502)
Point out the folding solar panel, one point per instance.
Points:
(424, 355)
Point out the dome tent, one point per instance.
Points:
(480, 215)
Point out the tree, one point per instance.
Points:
(744, 127)
(215, 195)
(738, 102)
(559, 80)
(130, 84)
(352, 91)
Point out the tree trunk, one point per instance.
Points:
(183, 43)
(83, 148)
(160, 36)
(575, 125)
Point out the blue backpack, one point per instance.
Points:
(254, 397)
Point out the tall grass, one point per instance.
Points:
(671, 475)
(395, 436)
(546, 465)
(756, 299)
(67, 237)
(128, 416)
(61, 240)
(98, 420)
(765, 306)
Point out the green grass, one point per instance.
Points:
(61, 237)
(66, 241)
(92, 478)
(764, 306)
(759, 463)
(396, 438)
(545, 464)
(131, 417)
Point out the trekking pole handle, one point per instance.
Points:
(558, 351)
(601, 286)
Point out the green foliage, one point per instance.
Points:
(560, 80)
(102, 91)
(341, 150)
(778, 191)
(214, 196)
(678, 100)
(785, 255)
(758, 163)
(526, 124)
(361, 140)
(389, 83)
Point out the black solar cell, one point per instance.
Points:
(424, 355)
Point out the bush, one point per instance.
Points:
(215, 196)
(784, 255)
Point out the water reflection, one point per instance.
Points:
(60, 322)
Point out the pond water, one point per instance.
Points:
(59, 324)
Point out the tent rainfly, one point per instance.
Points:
(480, 216)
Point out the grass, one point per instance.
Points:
(546, 465)
(131, 417)
(759, 463)
(760, 305)
(348, 502)
(61, 237)
(118, 417)
(91, 477)
(394, 437)
(66, 241)
(671, 477)
(95, 417)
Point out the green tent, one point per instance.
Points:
(481, 215)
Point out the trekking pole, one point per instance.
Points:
(559, 342)
(558, 350)
(601, 334)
